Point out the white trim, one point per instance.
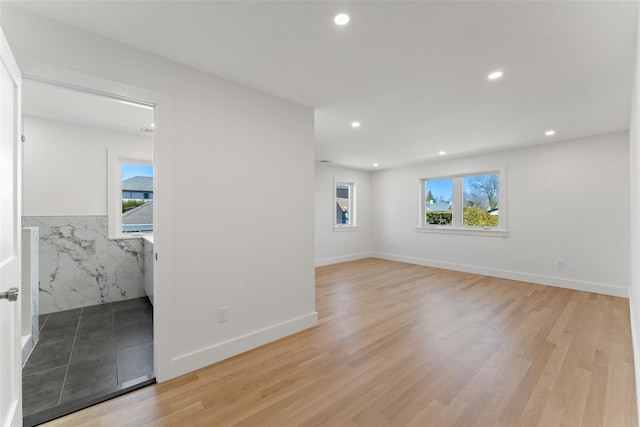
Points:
(353, 222)
(114, 191)
(189, 362)
(457, 226)
(636, 350)
(578, 285)
(12, 390)
(467, 230)
(337, 260)
(163, 179)
(345, 227)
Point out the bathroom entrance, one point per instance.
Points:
(88, 193)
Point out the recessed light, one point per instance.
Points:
(152, 125)
(495, 75)
(341, 19)
(375, 165)
(355, 124)
(550, 132)
(442, 153)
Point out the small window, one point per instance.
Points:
(137, 208)
(130, 190)
(344, 204)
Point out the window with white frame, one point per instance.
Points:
(137, 197)
(463, 203)
(131, 194)
(345, 215)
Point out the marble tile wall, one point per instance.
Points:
(80, 266)
(29, 290)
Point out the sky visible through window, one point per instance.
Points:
(442, 189)
(129, 170)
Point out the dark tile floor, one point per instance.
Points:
(88, 350)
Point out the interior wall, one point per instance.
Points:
(565, 200)
(634, 224)
(65, 166)
(225, 236)
(334, 246)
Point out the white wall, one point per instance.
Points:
(230, 148)
(333, 246)
(565, 200)
(65, 166)
(634, 232)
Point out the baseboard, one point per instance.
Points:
(578, 285)
(636, 350)
(345, 258)
(186, 363)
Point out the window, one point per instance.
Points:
(480, 201)
(137, 193)
(130, 197)
(344, 205)
(472, 204)
(439, 201)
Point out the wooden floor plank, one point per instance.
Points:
(399, 345)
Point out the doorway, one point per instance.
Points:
(94, 333)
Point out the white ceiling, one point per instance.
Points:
(413, 73)
(66, 105)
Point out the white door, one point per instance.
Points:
(10, 158)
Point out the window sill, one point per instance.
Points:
(465, 231)
(129, 236)
(346, 228)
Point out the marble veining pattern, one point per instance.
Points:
(80, 266)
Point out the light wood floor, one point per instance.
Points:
(401, 345)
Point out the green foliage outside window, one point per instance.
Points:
(127, 205)
(473, 217)
(439, 218)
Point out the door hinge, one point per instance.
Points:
(23, 139)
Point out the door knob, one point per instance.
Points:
(11, 294)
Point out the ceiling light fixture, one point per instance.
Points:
(495, 75)
(442, 153)
(355, 124)
(375, 165)
(550, 132)
(341, 19)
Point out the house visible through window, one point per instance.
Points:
(439, 201)
(137, 197)
(344, 202)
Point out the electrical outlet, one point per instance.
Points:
(560, 263)
(222, 314)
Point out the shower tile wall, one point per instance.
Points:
(29, 291)
(80, 266)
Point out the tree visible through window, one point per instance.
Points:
(462, 201)
(439, 201)
(480, 201)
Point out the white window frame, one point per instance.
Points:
(457, 226)
(353, 225)
(114, 192)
